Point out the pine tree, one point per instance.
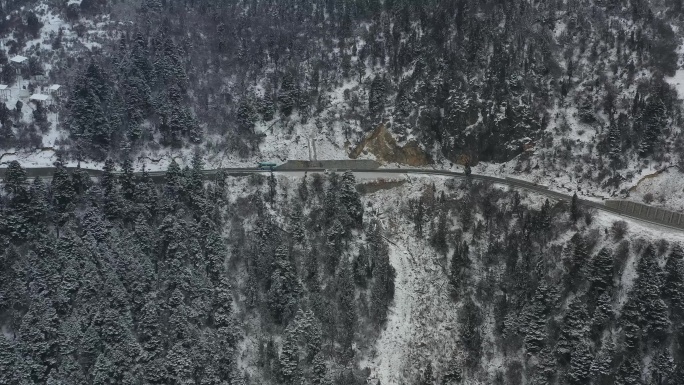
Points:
(535, 332)
(376, 96)
(361, 267)
(113, 206)
(309, 328)
(283, 295)
(267, 108)
(603, 312)
(654, 119)
(127, 179)
(470, 332)
(287, 96)
(350, 199)
(601, 275)
(673, 287)
(615, 140)
(15, 180)
(63, 193)
(11, 363)
(439, 241)
(17, 212)
(663, 369)
(602, 366)
(296, 227)
(382, 286)
(575, 212)
(347, 308)
(427, 378)
(303, 189)
(38, 338)
(146, 195)
(195, 183)
(7, 137)
(39, 206)
(319, 369)
(574, 328)
(578, 260)
(246, 115)
(580, 361)
(174, 181)
(629, 372)
(460, 263)
(630, 321)
(272, 187)
(648, 288)
(546, 367)
(289, 358)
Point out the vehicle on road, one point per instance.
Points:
(266, 166)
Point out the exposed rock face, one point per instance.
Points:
(385, 148)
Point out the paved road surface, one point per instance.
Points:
(46, 173)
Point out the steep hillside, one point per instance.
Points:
(301, 280)
(583, 86)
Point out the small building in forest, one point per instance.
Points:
(40, 98)
(5, 92)
(55, 89)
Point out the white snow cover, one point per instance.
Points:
(420, 323)
(39, 97)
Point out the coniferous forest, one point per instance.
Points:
(335, 278)
(281, 280)
(461, 78)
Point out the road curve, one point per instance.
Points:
(47, 172)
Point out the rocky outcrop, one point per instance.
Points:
(384, 147)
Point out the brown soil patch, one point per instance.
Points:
(385, 148)
(650, 176)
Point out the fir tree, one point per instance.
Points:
(629, 372)
(574, 329)
(289, 358)
(603, 312)
(460, 262)
(574, 208)
(63, 193)
(382, 286)
(602, 365)
(110, 189)
(303, 189)
(673, 288)
(653, 119)
(470, 332)
(283, 295)
(127, 179)
(580, 361)
(15, 180)
(272, 187)
(376, 96)
(427, 378)
(648, 288)
(439, 241)
(663, 369)
(350, 199)
(601, 274)
(615, 140)
(346, 308)
(535, 335)
(319, 369)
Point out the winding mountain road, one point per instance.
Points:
(47, 172)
